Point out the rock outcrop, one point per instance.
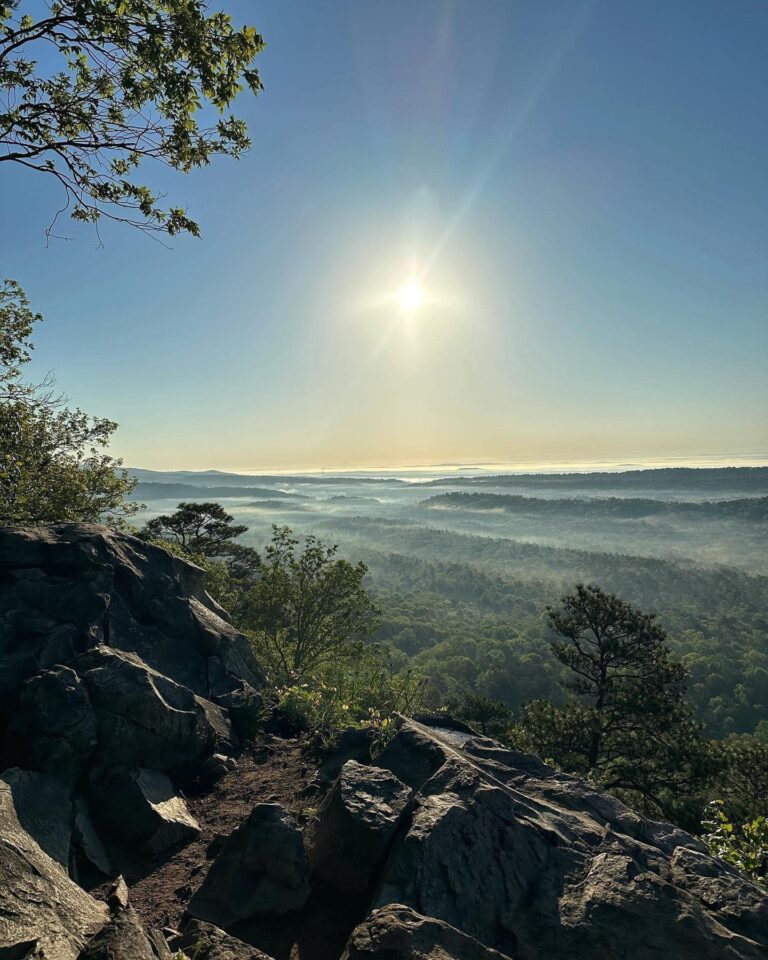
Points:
(145, 718)
(536, 864)
(72, 588)
(122, 685)
(52, 725)
(44, 810)
(117, 672)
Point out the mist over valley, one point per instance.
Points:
(463, 566)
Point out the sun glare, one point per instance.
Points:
(410, 297)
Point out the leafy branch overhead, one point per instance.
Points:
(95, 87)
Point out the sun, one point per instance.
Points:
(410, 297)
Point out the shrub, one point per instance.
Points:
(743, 845)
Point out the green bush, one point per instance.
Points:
(367, 694)
(743, 845)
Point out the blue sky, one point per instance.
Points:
(582, 189)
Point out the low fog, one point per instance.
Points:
(462, 568)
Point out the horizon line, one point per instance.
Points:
(498, 467)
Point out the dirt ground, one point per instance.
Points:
(272, 771)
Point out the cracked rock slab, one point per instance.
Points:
(536, 864)
(42, 912)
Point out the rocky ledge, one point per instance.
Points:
(126, 701)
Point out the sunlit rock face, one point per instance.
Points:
(537, 864)
(496, 854)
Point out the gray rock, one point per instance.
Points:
(40, 907)
(357, 822)
(140, 808)
(44, 809)
(123, 938)
(67, 588)
(146, 719)
(730, 899)
(52, 726)
(221, 641)
(412, 756)
(244, 706)
(204, 941)
(537, 864)
(218, 766)
(260, 870)
(160, 945)
(118, 896)
(396, 932)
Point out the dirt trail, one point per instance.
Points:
(273, 771)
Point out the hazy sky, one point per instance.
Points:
(583, 189)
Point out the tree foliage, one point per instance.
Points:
(121, 82)
(626, 724)
(198, 528)
(742, 783)
(205, 534)
(15, 341)
(492, 716)
(308, 608)
(620, 668)
(53, 464)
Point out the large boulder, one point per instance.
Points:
(144, 718)
(398, 932)
(413, 755)
(53, 725)
(67, 588)
(357, 822)
(112, 656)
(42, 912)
(260, 871)
(537, 864)
(140, 808)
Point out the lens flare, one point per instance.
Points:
(410, 297)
